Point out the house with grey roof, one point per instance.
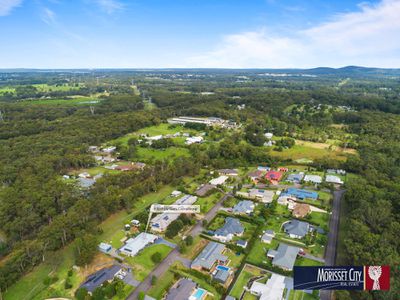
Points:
(296, 229)
(222, 276)
(204, 189)
(211, 255)
(231, 228)
(295, 178)
(268, 236)
(181, 290)
(244, 207)
(98, 278)
(284, 257)
(228, 172)
(316, 179)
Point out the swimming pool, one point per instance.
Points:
(222, 268)
(199, 294)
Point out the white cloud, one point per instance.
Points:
(48, 16)
(369, 37)
(6, 6)
(110, 6)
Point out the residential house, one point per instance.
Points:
(84, 175)
(160, 222)
(264, 196)
(204, 189)
(109, 150)
(244, 207)
(284, 257)
(154, 138)
(316, 179)
(194, 140)
(129, 167)
(181, 290)
(231, 228)
(301, 194)
(176, 193)
(105, 248)
(301, 210)
(268, 236)
(241, 243)
(93, 149)
(296, 229)
(287, 200)
(333, 179)
(219, 180)
(97, 279)
(134, 245)
(336, 171)
(228, 172)
(273, 289)
(295, 178)
(263, 168)
(255, 176)
(211, 255)
(268, 135)
(274, 176)
(222, 275)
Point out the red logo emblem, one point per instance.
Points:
(377, 277)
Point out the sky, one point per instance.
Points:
(199, 33)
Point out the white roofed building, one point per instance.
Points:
(134, 245)
(219, 180)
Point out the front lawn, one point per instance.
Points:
(162, 286)
(142, 263)
(208, 202)
(247, 273)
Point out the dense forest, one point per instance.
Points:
(40, 213)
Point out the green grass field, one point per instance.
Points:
(142, 263)
(31, 286)
(163, 285)
(306, 153)
(160, 129)
(300, 295)
(247, 273)
(148, 154)
(71, 101)
(207, 203)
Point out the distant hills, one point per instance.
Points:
(351, 71)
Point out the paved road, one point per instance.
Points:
(330, 251)
(312, 257)
(173, 256)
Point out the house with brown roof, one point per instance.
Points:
(301, 210)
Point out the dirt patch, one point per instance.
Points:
(99, 262)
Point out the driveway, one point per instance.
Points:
(165, 242)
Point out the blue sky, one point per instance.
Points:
(198, 33)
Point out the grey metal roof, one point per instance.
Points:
(296, 227)
(295, 177)
(97, 279)
(230, 298)
(182, 290)
(210, 254)
(284, 256)
(231, 226)
(201, 191)
(243, 207)
(221, 276)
